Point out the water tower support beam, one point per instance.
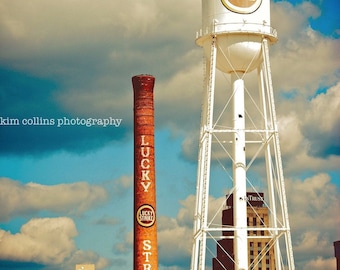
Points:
(239, 172)
(277, 153)
(204, 157)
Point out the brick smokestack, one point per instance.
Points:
(145, 226)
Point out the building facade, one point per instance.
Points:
(260, 247)
(337, 254)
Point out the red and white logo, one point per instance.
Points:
(145, 215)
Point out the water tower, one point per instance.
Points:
(239, 134)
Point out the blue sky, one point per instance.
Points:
(76, 59)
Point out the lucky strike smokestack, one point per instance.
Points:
(145, 226)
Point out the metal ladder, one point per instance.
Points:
(204, 155)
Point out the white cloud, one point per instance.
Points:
(174, 243)
(313, 206)
(309, 133)
(290, 134)
(159, 39)
(81, 256)
(301, 13)
(43, 29)
(184, 88)
(28, 198)
(55, 26)
(312, 200)
(94, 49)
(321, 123)
(175, 235)
(47, 241)
(321, 263)
(312, 243)
(303, 59)
(107, 220)
(126, 242)
(114, 46)
(121, 185)
(302, 161)
(324, 110)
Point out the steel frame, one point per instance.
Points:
(267, 144)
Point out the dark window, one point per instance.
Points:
(254, 221)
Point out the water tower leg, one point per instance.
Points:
(203, 175)
(281, 185)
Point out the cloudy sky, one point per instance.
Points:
(66, 192)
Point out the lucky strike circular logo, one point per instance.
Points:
(145, 215)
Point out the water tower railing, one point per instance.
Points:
(237, 28)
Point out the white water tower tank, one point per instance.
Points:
(239, 27)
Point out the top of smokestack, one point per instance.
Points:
(143, 80)
(143, 75)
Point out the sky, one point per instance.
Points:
(66, 190)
